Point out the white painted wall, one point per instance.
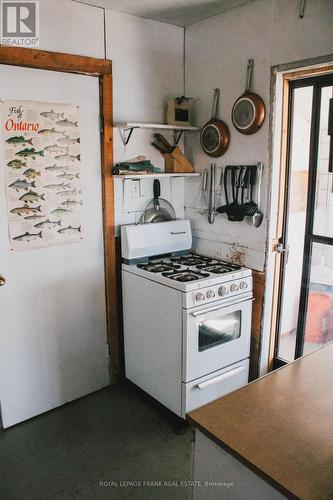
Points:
(217, 50)
(71, 27)
(147, 58)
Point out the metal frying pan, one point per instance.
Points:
(248, 112)
(215, 135)
(157, 210)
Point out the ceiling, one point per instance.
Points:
(178, 12)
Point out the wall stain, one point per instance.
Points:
(237, 256)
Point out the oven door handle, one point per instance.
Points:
(220, 378)
(222, 306)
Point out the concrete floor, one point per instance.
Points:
(115, 435)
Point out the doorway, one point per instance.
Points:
(54, 329)
(304, 308)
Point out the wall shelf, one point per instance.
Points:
(126, 129)
(162, 174)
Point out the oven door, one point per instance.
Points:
(216, 336)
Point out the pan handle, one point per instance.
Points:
(157, 193)
(249, 73)
(215, 103)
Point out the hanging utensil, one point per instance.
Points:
(234, 211)
(219, 193)
(211, 199)
(159, 209)
(215, 135)
(222, 209)
(248, 112)
(250, 207)
(203, 204)
(258, 215)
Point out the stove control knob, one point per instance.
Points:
(243, 285)
(199, 297)
(223, 290)
(234, 288)
(210, 294)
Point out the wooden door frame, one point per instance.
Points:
(288, 77)
(101, 69)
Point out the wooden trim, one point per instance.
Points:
(102, 68)
(256, 325)
(109, 227)
(54, 61)
(282, 188)
(307, 73)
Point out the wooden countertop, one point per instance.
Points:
(281, 426)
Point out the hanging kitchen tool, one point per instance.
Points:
(258, 215)
(250, 207)
(215, 135)
(211, 198)
(234, 210)
(203, 203)
(248, 112)
(159, 209)
(222, 209)
(220, 191)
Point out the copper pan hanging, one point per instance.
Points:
(248, 112)
(214, 135)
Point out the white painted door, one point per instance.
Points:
(53, 343)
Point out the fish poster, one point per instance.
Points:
(41, 154)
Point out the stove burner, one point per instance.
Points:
(158, 266)
(186, 275)
(218, 267)
(191, 259)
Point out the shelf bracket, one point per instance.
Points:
(125, 134)
(176, 136)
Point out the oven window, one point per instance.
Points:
(220, 330)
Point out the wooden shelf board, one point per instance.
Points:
(129, 125)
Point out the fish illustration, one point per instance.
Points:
(60, 211)
(71, 203)
(72, 192)
(69, 230)
(50, 131)
(35, 217)
(48, 223)
(68, 140)
(68, 158)
(18, 139)
(56, 168)
(31, 196)
(28, 236)
(16, 164)
(31, 173)
(57, 186)
(30, 152)
(52, 115)
(25, 210)
(70, 177)
(22, 184)
(54, 148)
(66, 123)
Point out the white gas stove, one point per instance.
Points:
(187, 317)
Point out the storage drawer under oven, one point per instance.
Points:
(213, 386)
